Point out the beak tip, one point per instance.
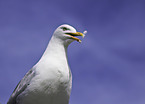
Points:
(80, 41)
(83, 36)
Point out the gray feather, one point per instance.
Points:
(21, 86)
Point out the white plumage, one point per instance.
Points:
(50, 80)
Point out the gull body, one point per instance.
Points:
(50, 80)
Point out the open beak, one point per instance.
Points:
(72, 35)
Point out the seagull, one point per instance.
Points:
(50, 80)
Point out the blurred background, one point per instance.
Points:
(108, 67)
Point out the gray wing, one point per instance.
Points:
(21, 86)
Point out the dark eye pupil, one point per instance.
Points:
(64, 28)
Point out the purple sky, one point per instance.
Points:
(108, 67)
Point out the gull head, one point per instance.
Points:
(67, 34)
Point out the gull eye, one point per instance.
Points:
(64, 28)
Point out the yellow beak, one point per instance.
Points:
(75, 34)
